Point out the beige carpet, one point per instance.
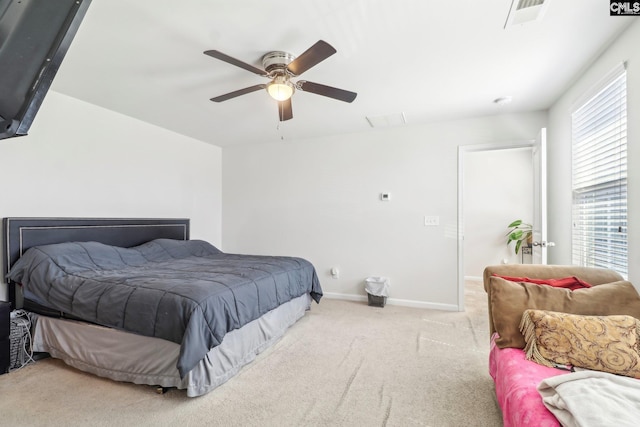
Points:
(343, 364)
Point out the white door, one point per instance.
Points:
(540, 243)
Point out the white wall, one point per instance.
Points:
(625, 48)
(498, 186)
(319, 199)
(80, 160)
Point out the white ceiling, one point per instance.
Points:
(431, 60)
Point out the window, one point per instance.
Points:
(599, 175)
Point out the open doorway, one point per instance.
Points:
(495, 187)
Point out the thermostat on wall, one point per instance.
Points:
(385, 196)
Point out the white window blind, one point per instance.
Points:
(599, 136)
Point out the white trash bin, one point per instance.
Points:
(377, 290)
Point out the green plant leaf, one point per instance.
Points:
(516, 235)
(515, 223)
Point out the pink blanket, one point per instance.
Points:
(516, 381)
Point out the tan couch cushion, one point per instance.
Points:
(510, 299)
(602, 343)
(592, 275)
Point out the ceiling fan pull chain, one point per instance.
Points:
(280, 122)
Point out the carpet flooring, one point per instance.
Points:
(343, 364)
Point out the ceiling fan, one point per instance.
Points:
(280, 68)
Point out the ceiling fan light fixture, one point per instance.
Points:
(280, 88)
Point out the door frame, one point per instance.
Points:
(462, 151)
(539, 223)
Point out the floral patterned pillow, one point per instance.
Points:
(603, 343)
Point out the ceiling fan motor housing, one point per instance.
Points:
(276, 62)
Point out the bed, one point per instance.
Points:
(136, 300)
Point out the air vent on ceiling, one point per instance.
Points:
(393, 119)
(523, 11)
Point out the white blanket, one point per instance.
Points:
(592, 398)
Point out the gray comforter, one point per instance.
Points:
(187, 292)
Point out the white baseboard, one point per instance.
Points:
(480, 278)
(347, 297)
(395, 301)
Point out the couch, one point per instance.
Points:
(520, 383)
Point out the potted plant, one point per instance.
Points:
(519, 232)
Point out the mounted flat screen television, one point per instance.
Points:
(34, 37)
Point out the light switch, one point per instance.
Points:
(430, 220)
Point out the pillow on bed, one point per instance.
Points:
(510, 299)
(571, 282)
(602, 343)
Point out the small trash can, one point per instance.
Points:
(377, 290)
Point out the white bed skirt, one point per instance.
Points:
(127, 357)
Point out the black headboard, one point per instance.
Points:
(19, 234)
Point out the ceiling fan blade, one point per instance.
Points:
(311, 57)
(331, 92)
(285, 112)
(226, 58)
(238, 93)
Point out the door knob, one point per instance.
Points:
(544, 244)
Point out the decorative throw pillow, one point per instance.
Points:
(510, 299)
(602, 343)
(571, 282)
